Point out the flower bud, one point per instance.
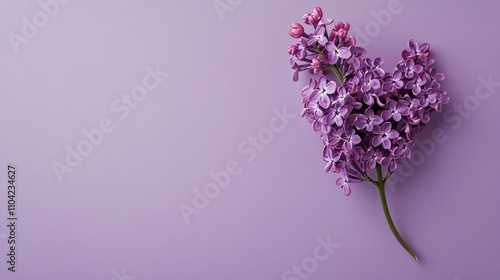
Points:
(341, 29)
(316, 64)
(318, 13)
(350, 41)
(342, 33)
(296, 30)
(314, 17)
(292, 49)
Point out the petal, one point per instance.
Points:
(344, 53)
(305, 112)
(340, 182)
(375, 83)
(376, 120)
(398, 152)
(330, 119)
(389, 86)
(358, 51)
(318, 113)
(392, 104)
(396, 75)
(332, 58)
(393, 134)
(425, 47)
(336, 157)
(386, 143)
(396, 116)
(349, 132)
(416, 89)
(327, 153)
(386, 127)
(410, 145)
(322, 82)
(322, 41)
(432, 99)
(315, 96)
(325, 21)
(325, 128)
(330, 47)
(405, 54)
(393, 166)
(346, 189)
(379, 71)
(377, 141)
(369, 127)
(316, 125)
(343, 173)
(302, 53)
(360, 122)
(418, 68)
(343, 111)
(331, 87)
(348, 145)
(356, 139)
(324, 101)
(412, 45)
(328, 166)
(334, 141)
(338, 121)
(312, 83)
(371, 164)
(386, 115)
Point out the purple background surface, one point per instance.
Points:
(116, 215)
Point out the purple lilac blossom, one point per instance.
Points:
(368, 116)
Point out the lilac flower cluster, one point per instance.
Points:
(368, 117)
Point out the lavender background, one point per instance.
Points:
(116, 216)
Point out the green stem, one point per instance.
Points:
(387, 176)
(381, 192)
(338, 74)
(379, 176)
(367, 178)
(335, 70)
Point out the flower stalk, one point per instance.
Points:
(380, 184)
(367, 117)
